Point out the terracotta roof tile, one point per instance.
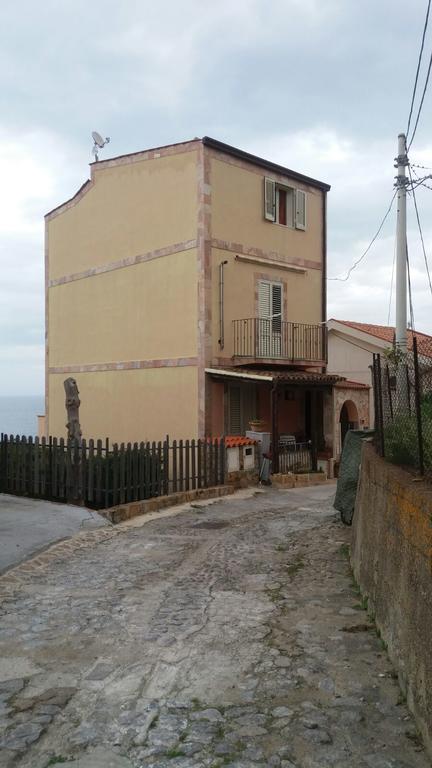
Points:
(387, 333)
(347, 384)
(234, 441)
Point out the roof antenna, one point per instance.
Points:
(99, 143)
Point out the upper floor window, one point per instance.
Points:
(284, 205)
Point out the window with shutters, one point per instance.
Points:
(269, 328)
(284, 205)
(242, 408)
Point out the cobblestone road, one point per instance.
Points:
(225, 635)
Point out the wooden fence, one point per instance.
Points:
(99, 476)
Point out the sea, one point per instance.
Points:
(18, 414)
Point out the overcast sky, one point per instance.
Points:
(322, 86)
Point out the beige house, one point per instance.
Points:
(186, 293)
(351, 347)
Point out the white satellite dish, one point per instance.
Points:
(99, 143)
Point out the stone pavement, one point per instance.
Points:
(228, 634)
(28, 526)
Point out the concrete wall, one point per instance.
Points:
(131, 405)
(131, 206)
(238, 227)
(122, 299)
(142, 312)
(392, 561)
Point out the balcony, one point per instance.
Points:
(272, 341)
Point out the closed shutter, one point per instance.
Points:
(300, 220)
(235, 425)
(269, 199)
(276, 308)
(249, 405)
(264, 300)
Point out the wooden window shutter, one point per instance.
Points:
(264, 299)
(276, 309)
(235, 419)
(269, 199)
(300, 219)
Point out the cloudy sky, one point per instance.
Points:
(322, 86)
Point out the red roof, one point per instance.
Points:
(235, 441)
(346, 384)
(387, 333)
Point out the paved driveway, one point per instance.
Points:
(227, 634)
(27, 526)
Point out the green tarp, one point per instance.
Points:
(349, 473)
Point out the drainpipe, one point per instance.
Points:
(221, 304)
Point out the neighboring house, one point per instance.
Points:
(351, 347)
(186, 293)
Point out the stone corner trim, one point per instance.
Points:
(127, 365)
(130, 261)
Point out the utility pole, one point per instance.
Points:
(401, 246)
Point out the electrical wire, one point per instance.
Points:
(391, 284)
(356, 263)
(421, 102)
(421, 233)
(418, 66)
(410, 291)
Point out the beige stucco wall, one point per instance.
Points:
(140, 317)
(130, 405)
(237, 219)
(301, 300)
(238, 212)
(141, 312)
(128, 210)
(352, 360)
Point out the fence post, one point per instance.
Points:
(417, 392)
(108, 473)
(174, 465)
(222, 461)
(380, 406)
(166, 466)
(389, 391)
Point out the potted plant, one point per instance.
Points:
(257, 425)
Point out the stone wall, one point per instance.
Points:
(392, 562)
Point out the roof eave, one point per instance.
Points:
(227, 149)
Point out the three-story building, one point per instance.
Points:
(186, 293)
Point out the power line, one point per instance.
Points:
(409, 290)
(421, 102)
(421, 233)
(425, 167)
(418, 66)
(356, 263)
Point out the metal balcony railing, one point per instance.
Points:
(274, 339)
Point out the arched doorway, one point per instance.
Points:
(348, 418)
